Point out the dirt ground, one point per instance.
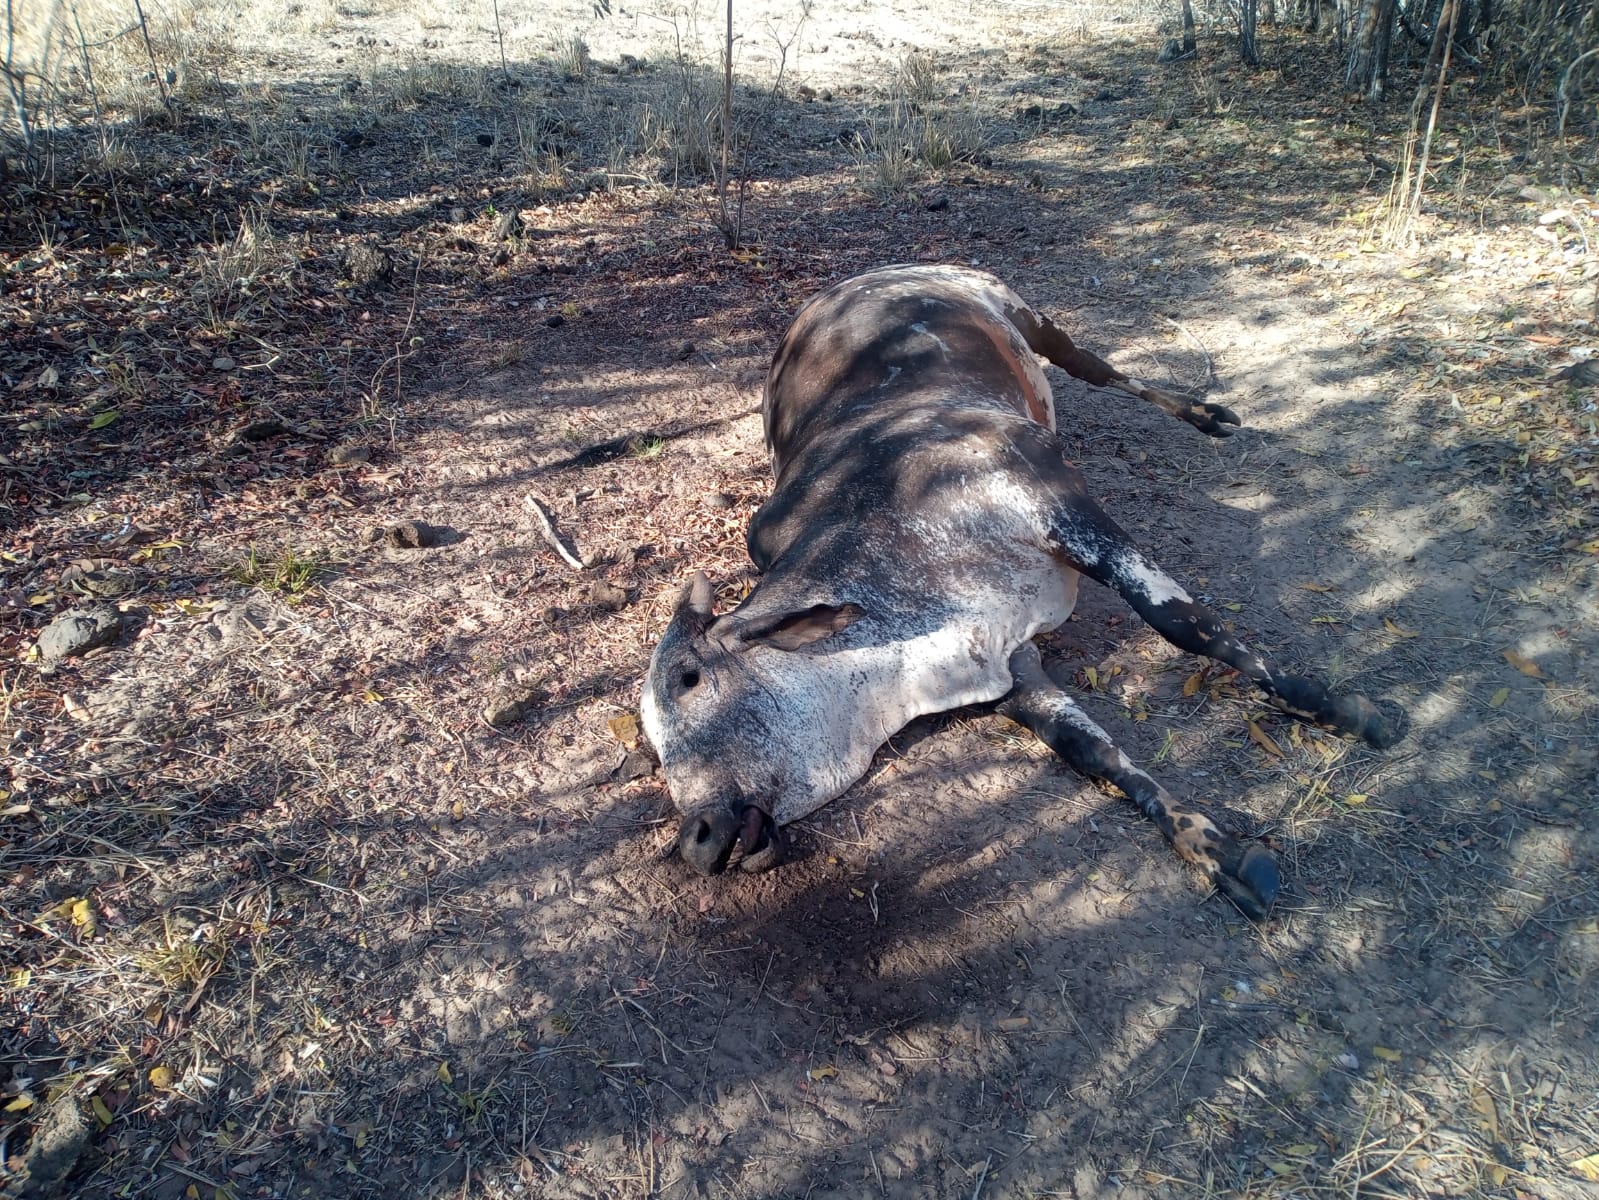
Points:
(286, 914)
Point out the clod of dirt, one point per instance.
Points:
(349, 455)
(58, 1143)
(507, 225)
(937, 204)
(79, 630)
(636, 765)
(684, 351)
(259, 431)
(408, 535)
(368, 266)
(511, 705)
(718, 500)
(555, 320)
(87, 577)
(606, 595)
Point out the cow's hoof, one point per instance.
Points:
(1252, 883)
(706, 839)
(1214, 419)
(1386, 725)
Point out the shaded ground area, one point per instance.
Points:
(285, 913)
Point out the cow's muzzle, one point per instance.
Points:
(706, 839)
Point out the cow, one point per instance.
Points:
(924, 526)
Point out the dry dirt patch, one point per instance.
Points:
(285, 914)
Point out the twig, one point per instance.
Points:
(550, 536)
(981, 1175)
(149, 48)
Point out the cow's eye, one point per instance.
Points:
(690, 680)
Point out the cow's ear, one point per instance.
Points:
(694, 603)
(790, 631)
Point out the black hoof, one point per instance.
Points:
(1214, 419)
(1252, 883)
(1386, 725)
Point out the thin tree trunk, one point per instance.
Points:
(1190, 45)
(1247, 49)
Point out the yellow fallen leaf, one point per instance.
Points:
(1523, 664)
(1093, 678)
(624, 729)
(1586, 925)
(161, 1077)
(1193, 683)
(1356, 798)
(20, 1103)
(1263, 739)
(1233, 607)
(1386, 1054)
(444, 1074)
(191, 1192)
(1497, 1175)
(817, 1074)
(81, 913)
(1498, 699)
(1587, 1167)
(20, 977)
(101, 1112)
(1301, 1149)
(1398, 630)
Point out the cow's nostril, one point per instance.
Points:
(702, 833)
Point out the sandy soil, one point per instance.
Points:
(348, 938)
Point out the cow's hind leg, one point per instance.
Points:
(1055, 344)
(1098, 547)
(1246, 874)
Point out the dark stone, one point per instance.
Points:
(79, 630)
(555, 320)
(259, 431)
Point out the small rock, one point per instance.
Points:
(349, 454)
(485, 139)
(507, 225)
(510, 706)
(636, 765)
(555, 320)
(79, 630)
(719, 500)
(87, 577)
(367, 265)
(222, 363)
(259, 431)
(62, 1137)
(607, 595)
(408, 535)
(458, 215)
(683, 351)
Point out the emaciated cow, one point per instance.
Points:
(924, 526)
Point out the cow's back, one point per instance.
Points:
(897, 337)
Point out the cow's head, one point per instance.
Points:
(738, 721)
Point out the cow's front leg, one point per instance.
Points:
(1098, 547)
(1246, 874)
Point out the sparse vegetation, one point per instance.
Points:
(283, 913)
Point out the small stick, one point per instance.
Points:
(550, 536)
